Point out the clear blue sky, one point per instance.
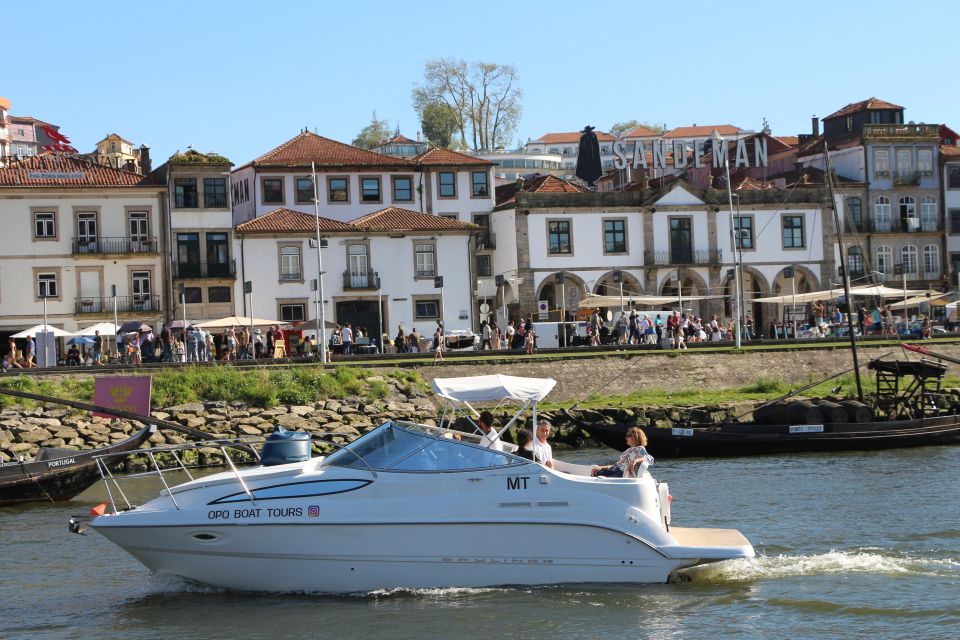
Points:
(241, 77)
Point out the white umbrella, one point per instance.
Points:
(236, 321)
(34, 330)
(105, 329)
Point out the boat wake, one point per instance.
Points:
(869, 560)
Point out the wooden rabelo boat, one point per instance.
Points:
(56, 475)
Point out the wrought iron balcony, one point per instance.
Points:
(186, 200)
(115, 245)
(900, 130)
(486, 240)
(359, 280)
(125, 304)
(205, 269)
(425, 273)
(215, 200)
(906, 178)
(683, 256)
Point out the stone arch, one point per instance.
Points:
(755, 286)
(574, 289)
(605, 286)
(693, 285)
(807, 281)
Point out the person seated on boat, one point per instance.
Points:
(630, 460)
(544, 452)
(490, 439)
(525, 444)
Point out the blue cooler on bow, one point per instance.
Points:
(284, 447)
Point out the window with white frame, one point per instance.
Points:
(47, 285)
(885, 259)
(925, 162)
(290, 263)
(44, 225)
(881, 214)
(931, 261)
(928, 213)
(425, 256)
(908, 258)
(904, 163)
(881, 162)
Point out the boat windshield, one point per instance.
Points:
(410, 447)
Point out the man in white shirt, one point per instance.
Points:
(490, 439)
(543, 452)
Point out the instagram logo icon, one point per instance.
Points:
(313, 511)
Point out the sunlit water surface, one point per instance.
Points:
(856, 545)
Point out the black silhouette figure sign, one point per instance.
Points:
(589, 167)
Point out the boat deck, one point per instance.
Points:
(694, 537)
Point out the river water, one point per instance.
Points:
(853, 545)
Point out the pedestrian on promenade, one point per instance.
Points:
(438, 345)
(30, 352)
(97, 348)
(531, 341)
(346, 335)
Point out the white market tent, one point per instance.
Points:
(930, 297)
(493, 388)
(236, 321)
(592, 300)
(105, 329)
(39, 328)
(866, 291)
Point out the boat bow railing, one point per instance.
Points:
(118, 500)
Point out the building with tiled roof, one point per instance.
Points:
(640, 131)
(507, 193)
(705, 131)
(567, 146)
(381, 265)
(569, 137)
(73, 230)
(900, 212)
(352, 182)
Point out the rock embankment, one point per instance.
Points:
(24, 430)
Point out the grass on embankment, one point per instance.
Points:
(266, 387)
(763, 388)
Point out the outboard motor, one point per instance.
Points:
(284, 447)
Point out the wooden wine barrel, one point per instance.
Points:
(803, 412)
(857, 412)
(833, 413)
(770, 414)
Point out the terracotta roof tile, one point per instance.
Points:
(397, 219)
(507, 193)
(640, 132)
(399, 138)
(444, 157)
(308, 147)
(949, 151)
(703, 131)
(288, 221)
(49, 170)
(791, 141)
(572, 136)
(869, 103)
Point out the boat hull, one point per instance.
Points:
(752, 439)
(344, 558)
(61, 476)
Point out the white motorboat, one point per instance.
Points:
(415, 506)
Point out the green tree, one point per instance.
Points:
(439, 123)
(484, 97)
(375, 133)
(621, 128)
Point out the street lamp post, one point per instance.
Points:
(380, 314)
(116, 326)
(321, 328)
(560, 278)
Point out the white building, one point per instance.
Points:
(353, 182)
(392, 256)
(650, 240)
(74, 231)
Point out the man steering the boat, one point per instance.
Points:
(490, 439)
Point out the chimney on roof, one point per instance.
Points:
(146, 165)
(815, 126)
